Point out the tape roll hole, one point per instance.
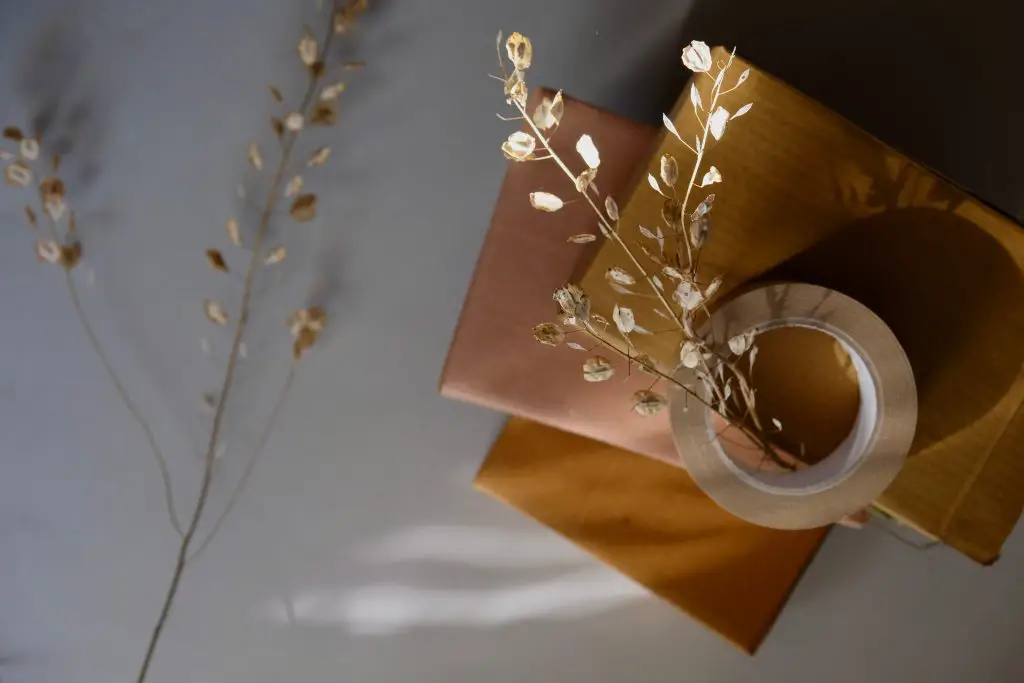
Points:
(821, 392)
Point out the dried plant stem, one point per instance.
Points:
(268, 428)
(695, 351)
(609, 230)
(630, 358)
(274, 192)
(687, 146)
(737, 373)
(115, 379)
(763, 442)
(161, 461)
(693, 262)
(700, 157)
(749, 433)
(740, 378)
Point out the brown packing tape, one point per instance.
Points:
(964, 481)
(883, 431)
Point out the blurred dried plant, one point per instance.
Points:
(60, 243)
(668, 262)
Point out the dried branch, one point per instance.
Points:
(318, 108)
(755, 434)
(254, 458)
(696, 352)
(609, 231)
(305, 330)
(161, 461)
(65, 250)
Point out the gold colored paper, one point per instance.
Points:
(649, 520)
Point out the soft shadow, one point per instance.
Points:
(951, 294)
(67, 110)
(655, 78)
(917, 74)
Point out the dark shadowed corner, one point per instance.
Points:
(655, 78)
(62, 100)
(933, 79)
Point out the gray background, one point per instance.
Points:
(359, 552)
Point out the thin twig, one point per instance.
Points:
(97, 347)
(274, 193)
(161, 461)
(625, 354)
(254, 459)
(615, 237)
(750, 434)
(613, 234)
(600, 215)
(700, 157)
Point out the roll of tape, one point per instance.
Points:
(860, 468)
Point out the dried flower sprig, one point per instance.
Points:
(675, 254)
(318, 106)
(61, 246)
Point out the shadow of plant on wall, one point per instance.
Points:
(66, 109)
(61, 125)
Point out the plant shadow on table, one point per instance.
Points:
(951, 294)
